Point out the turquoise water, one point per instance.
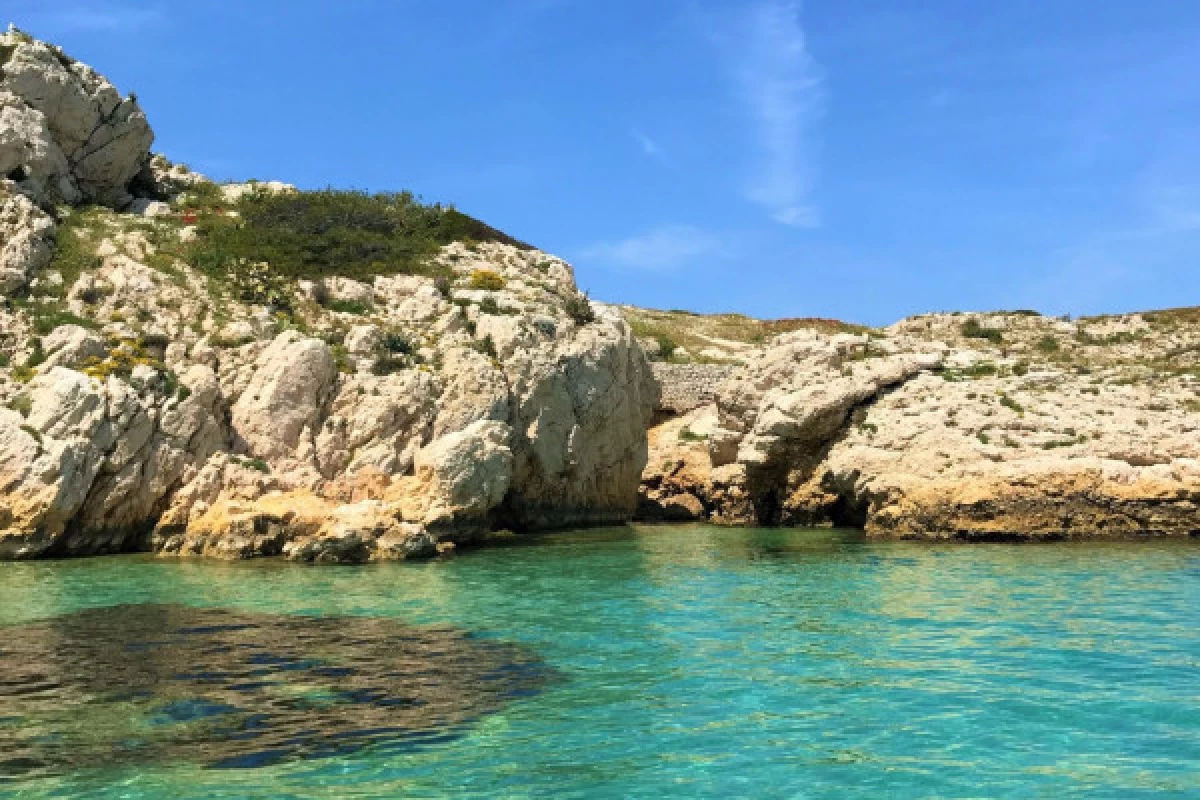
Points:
(701, 662)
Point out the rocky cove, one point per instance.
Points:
(168, 388)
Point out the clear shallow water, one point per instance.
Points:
(700, 662)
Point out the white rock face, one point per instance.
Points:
(99, 457)
(66, 135)
(431, 422)
(277, 415)
(148, 405)
(26, 236)
(71, 345)
(464, 474)
(949, 426)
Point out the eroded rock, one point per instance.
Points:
(66, 134)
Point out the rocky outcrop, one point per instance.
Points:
(66, 134)
(283, 444)
(26, 238)
(87, 464)
(157, 395)
(236, 413)
(990, 427)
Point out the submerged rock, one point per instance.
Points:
(142, 684)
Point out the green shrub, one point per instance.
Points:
(73, 253)
(488, 280)
(488, 305)
(983, 369)
(1048, 344)
(257, 464)
(48, 316)
(348, 307)
(579, 308)
(399, 344)
(687, 435)
(37, 355)
(203, 197)
(329, 232)
(22, 404)
(122, 358)
(258, 284)
(973, 330)
(666, 346)
(485, 345)
(341, 359)
(1122, 337)
(388, 365)
(1009, 403)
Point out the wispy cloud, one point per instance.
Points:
(93, 16)
(783, 91)
(664, 248)
(649, 147)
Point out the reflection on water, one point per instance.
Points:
(168, 683)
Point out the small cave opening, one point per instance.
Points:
(849, 511)
(18, 174)
(768, 507)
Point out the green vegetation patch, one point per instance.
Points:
(1011, 404)
(1048, 345)
(579, 308)
(1121, 337)
(486, 346)
(488, 280)
(310, 235)
(972, 329)
(74, 252)
(974, 372)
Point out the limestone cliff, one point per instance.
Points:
(424, 381)
(985, 426)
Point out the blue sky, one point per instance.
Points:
(841, 158)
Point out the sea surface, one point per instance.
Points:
(644, 662)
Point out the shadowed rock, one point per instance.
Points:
(228, 689)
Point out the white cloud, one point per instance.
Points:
(781, 86)
(664, 248)
(649, 147)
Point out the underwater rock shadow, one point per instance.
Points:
(139, 684)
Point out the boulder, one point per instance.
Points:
(278, 414)
(66, 135)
